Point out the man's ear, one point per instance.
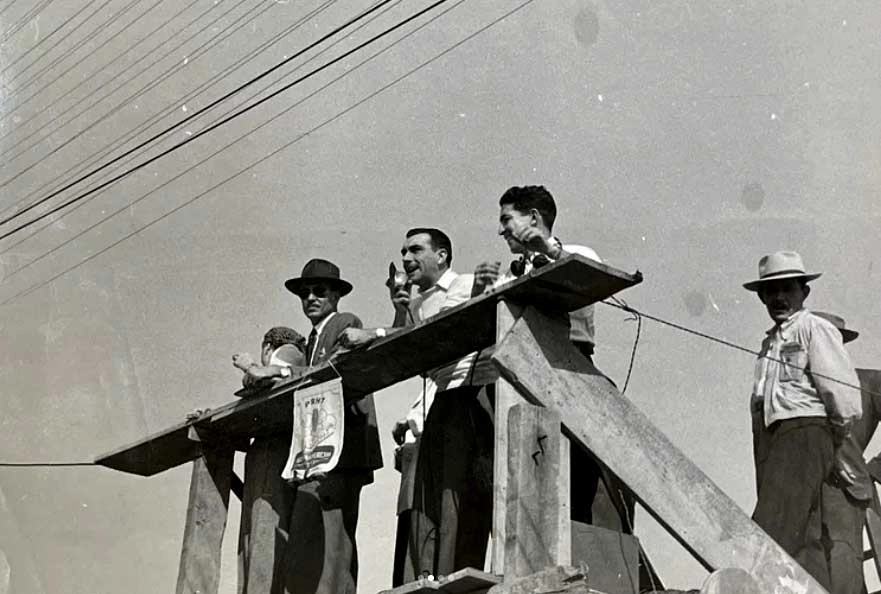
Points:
(445, 259)
(537, 219)
(807, 289)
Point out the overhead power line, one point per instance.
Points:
(174, 68)
(239, 104)
(97, 30)
(44, 40)
(24, 20)
(43, 464)
(169, 109)
(76, 48)
(265, 158)
(5, 8)
(206, 108)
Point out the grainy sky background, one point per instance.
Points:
(684, 139)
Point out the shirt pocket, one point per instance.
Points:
(793, 360)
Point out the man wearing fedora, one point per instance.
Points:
(321, 555)
(804, 395)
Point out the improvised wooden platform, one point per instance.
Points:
(565, 285)
(548, 396)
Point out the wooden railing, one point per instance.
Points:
(546, 385)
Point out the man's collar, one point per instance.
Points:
(788, 322)
(443, 283)
(320, 326)
(446, 279)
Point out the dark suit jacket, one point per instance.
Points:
(361, 450)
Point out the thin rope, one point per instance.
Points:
(43, 464)
(736, 346)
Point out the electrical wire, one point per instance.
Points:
(149, 86)
(7, 7)
(735, 346)
(268, 156)
(205, 131)
(61, 57)
(162, 113)
(116, 58)
(45, 39)
(298, 67)
(94, 51)
(16, 27)
(43, 464)
(222, 120)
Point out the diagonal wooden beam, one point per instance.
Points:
(670, 486)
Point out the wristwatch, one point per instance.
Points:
(285, 372)
(380, 333)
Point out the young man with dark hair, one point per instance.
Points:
(526, 218)
(802, 395)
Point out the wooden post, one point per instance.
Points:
(675, 491)
(873, 529)
(532, 537)
(206, 521)
(506, 397)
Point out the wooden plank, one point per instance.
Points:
(506, 397)
(672, 488)
(464, 581)
(564, 285)
(207, 510)
(532, 530)
(553, 580)
(612, 558)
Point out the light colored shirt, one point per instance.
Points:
(450, 290)
(793, 371)
(581, 325)
(287, 355)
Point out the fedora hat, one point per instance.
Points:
(318, 270)
(780, 265)
(846, 333)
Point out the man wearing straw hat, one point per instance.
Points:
(321, 553)
(806, 395)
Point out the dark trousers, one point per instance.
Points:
(597, 497)
(406, 560)
(321, 556)
(452, 507)
(843, 520)
(793, 459)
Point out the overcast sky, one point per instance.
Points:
(681, 139)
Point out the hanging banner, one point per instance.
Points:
(318, 431)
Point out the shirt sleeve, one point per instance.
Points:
(831, 369)
(583, 250)
(459, 291)
(287, 355)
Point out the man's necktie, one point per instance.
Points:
(310, 346)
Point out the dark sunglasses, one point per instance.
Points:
(317, 290)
